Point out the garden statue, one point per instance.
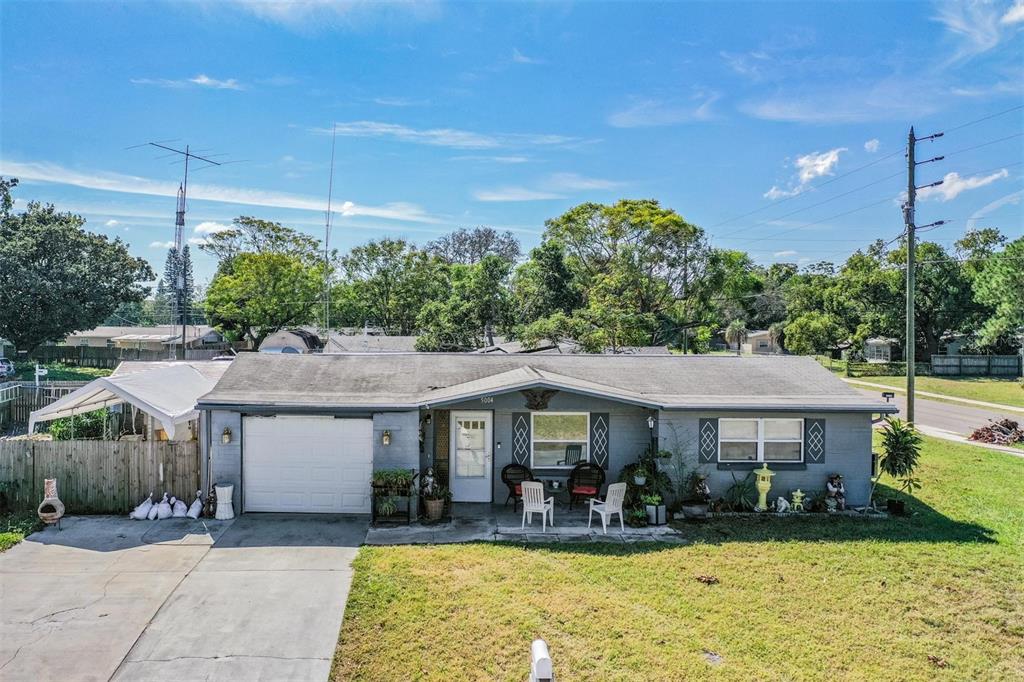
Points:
(701, 491)
(798, 500)
(764, 484)
(835, 493)
(782, 505)
(429, 484)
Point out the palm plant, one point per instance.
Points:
(776, 332)
(901, 448)
(736, 333)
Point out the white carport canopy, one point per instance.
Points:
(168, 393)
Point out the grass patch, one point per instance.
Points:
(60, 372)
(805, 598)
(987, 389)
(15, 526)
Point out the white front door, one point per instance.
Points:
(471, 464)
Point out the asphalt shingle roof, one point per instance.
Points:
(406, 380)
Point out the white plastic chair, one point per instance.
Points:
(534, 502)
(612, 505)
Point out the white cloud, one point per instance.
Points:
(1012, 198)
(574, 181)
(210, 227)
(304, 15)
(161, 245)
(116, 182)
(975, 25)
(780, 254)
(854, 102)
(514, 194)
(809, 167)
(495, 159)
(196, 241)
(1014, 15)
(520, 58)
(872, 145)
(445, 137)
(201, 80)
(652, 112)
(111, 223)
(400, 101)
(953, 185)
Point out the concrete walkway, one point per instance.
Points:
(496, 523)
(259, 597)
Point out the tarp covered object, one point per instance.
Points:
(167, 392)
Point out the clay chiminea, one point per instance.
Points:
(52, 509)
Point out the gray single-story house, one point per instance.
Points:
(304, 433)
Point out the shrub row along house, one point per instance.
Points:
(303, 433)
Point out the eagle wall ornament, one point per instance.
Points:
(538, 398)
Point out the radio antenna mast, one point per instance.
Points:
(327, 245)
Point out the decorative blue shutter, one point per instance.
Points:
(814, 441)
(599, 443)
(521, 438)
(707, 441)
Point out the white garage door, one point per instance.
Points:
(307, 464)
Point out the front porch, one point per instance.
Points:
(472, 522)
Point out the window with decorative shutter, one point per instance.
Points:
(814, 440)
(600, 452)
(521, 437)
(707, 440)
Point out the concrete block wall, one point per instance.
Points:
(404, 450)
(226, 460)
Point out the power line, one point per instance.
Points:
(985, 118)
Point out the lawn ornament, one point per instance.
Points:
(835, 493)
(701, 491)
(197, 506)
(51, 509)
(428, 483)
(781, 505)
(141, 512)
(763, 484)
(798, 500)
(163, 510)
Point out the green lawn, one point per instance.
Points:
(801, 598)
(15, 526)
(1004, 391)
(60, 372)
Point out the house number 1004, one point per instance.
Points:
(487, 400)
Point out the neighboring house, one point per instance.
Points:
(157, 338)
(304, 433)
(548, 347)
(6, 348)
(878, 349)
(760, 342)
(293, 341)
(164, 392)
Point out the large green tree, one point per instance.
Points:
(1000, 285)
(55, 277)
(468, 247)
(476, 307)
(256, 294)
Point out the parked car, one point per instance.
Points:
(6, 368)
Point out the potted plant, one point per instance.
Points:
(434, 501)
(640, 476)
(697, 497)
(655, 509)
(392, 487)
(636, 517)
(901, 447)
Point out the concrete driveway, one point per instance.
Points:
(257, 598)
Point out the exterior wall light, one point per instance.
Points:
(650, 422)
(226, 436)
(386, 438)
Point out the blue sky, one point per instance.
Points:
(507, 114)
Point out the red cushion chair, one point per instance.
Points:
(585, 481)
(513, 475)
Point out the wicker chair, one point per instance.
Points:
(513, 476)
(585, 481)
(573, 455)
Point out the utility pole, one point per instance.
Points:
(908, 218)
(327, 242)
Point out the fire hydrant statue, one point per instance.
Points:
(763, 484)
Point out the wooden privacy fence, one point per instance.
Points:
(102, 358)
(976, 365)
(96, 476)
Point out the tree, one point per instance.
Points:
(252, 235)
(1000, 285)
(777, 334)
(55, 277)
(178, 265)
(469, 247)
(258, 294)
(390, 281)
(736, 333)
(478, 303)
(813, 332)
(545, 284)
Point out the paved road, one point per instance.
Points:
(259, 598)
(961, 419)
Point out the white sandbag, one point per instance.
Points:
(152, 512)
(178, 508)
(197, 507)
(163, 510)
(141, 512)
